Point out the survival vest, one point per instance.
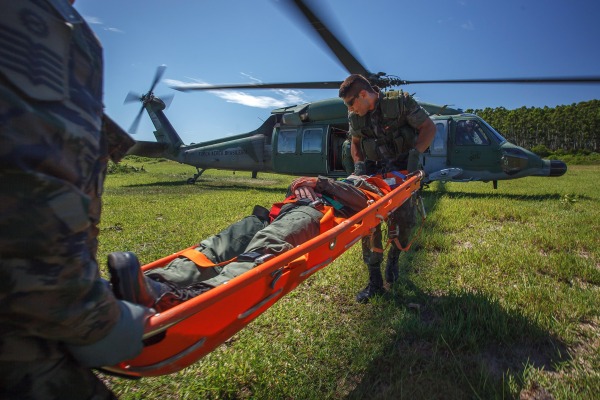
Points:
(385, 133)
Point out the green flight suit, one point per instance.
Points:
(250, 235)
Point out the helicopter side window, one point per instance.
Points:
(438, 145)
(286, 141)
(312, 140)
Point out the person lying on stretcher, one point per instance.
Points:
(244, 244)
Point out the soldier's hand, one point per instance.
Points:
(360, 168)
(414, 157)
(123, 342)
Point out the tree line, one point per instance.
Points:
(571, 128)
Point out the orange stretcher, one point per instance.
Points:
(180, 336)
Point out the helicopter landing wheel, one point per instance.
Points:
(193, 179)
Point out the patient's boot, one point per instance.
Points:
(176, 295)
(130, 284)
(375, 286)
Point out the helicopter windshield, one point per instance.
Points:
(470, 133)
(498, 136)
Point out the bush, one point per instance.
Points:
(122, 168)
(541, 150)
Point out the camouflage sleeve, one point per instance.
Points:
(355, 123)
(415, 114)
(118, 140)
(52, 164)
(50, 180)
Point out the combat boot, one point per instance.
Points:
(177, 295)
(375, 286)
(391, 265)
(129, 282)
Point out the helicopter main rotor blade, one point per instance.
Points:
(290, 85)
(392, 82)
(540, 80)
(340, 51)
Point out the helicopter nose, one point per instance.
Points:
(557, 168)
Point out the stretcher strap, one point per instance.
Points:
(201, 260)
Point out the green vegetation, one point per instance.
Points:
(500, 297)
(570, 128)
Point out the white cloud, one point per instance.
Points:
(93, 20)
(249, 100)
(283, 98)
(115, 30)
(468, 26)
(97, 21)
(250, 77)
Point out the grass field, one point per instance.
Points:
(500, 299)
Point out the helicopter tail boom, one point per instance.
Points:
(148, 149)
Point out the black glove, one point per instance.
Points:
(360, 168)
(414, 157)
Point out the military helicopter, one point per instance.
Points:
(311, 139)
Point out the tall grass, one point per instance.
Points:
(499, 298)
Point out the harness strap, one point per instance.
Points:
(372, 244)
(397, 242)
(201, 260)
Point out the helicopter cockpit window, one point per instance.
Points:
(469, 133)
(311, 140)
(286, 141)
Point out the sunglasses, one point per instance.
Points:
(350, 102)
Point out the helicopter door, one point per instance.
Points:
(301, 153)
(472, 148)
(435, 158)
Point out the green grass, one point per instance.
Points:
(500, 296)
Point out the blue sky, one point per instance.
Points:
(241, 41)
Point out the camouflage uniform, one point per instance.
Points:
(56, 143)
(387, 134)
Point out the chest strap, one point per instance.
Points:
(201, 260)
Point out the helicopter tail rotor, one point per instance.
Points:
(132, 97)
(147, 98)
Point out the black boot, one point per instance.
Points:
(174, 295)
(375, 286)
(391, 265)
(129, 283)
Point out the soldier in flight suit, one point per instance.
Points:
(389, 132)
(58, 318)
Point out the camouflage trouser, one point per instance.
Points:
(400, 225)
(48, 379)
(347, 161)
(402, 222)
(249, 235)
